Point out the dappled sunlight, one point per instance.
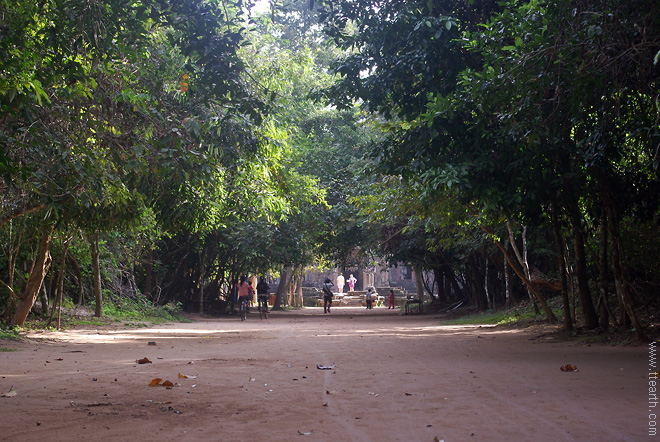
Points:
(115, 336)
(393, 326)
(414, 332)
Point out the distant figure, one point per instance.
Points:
(368, 298)
(340, 283)
(262, 295)
(391, 300)
(244, 288)
(351, 283)
(327, 295)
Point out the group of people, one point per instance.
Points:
(246, 292)
(371, 293)
(341, 281)
(327, 289)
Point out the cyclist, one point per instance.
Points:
(243, 292)
(262, 296)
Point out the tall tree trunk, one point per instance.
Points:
(586, 300)
(603, 309)
(93, 240)
(507, 286)
(451, 282)
(36, 278)
(59, 284)
(291, 289)
(550, 316)
(299, 292)
(76, 269)
(476, 283)
(588, 309)
(561, 265)
(618, 265)
(285, 275)
(419, 286)
(202, 269)
(522, 259)
(149, 275)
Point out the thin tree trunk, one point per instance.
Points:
(43, 297)
(36, 278)
(451, 281)
(93, 240)
(618, 266)
(59, 284)
(561, 266)
(299, 291)
(76, 269)
(507, 287)
(523, 261)
(603, 308)
(586, 301)
(489, 302)
(550, 316)
(201, 281)
(569, 277)
(149, 274)
(419, 283)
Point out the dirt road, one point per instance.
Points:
(388, 378)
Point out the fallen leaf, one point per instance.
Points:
(144, 360)
(569, 367)
(304, 433)
(151, 343)
(326, 367)
(59, 359)
(155, 381)
(10, 393)
(167, 384)
(187, 376)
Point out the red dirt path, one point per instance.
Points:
(397, 378)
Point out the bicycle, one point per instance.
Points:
(243, 308)
(263, 306)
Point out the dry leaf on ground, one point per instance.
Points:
(10, 393)
(569, 367)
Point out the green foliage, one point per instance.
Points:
(10, 333)
(141, 308)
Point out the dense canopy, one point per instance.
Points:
(505, 150)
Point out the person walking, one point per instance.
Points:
(368, 298)
(351, 283)
(391, 305)
(340, 283)
(327, 295)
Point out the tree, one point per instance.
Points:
(104, 109)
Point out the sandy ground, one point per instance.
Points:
(395, 378)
